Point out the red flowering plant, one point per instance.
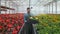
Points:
(11, 23)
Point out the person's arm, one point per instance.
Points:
(26, 17)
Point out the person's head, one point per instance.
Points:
(28, 10)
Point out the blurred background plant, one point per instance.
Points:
(48, 23)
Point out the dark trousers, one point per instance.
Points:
(27, 29)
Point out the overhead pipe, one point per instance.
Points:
(7, 7)
(50, 2)
(3, 9)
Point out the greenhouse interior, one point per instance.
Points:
(29, 16)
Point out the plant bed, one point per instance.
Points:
(11, 23)
(48, 24)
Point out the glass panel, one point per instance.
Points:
(58, 7)
(50, 8)
(3, 3)
(37, 6)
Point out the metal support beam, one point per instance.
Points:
(49, 3)
(49, 8)
(0, 7)
(5, 5)
(52, 8)
(29, 3)
(56, 6)
(46, 9)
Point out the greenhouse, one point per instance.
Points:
(29, 16)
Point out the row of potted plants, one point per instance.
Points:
(11, 23)
(48, 24)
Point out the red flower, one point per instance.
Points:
(14, 31)
(7, 20)
(16, 21)
(8, 29)
(0, 18)
(1, 27)
(18, 27)
(13, 22)
(9, 25)
(3, 21)
(6, 33)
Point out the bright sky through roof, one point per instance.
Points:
(37, 6)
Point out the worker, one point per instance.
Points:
(28, 27)
(27, 15)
